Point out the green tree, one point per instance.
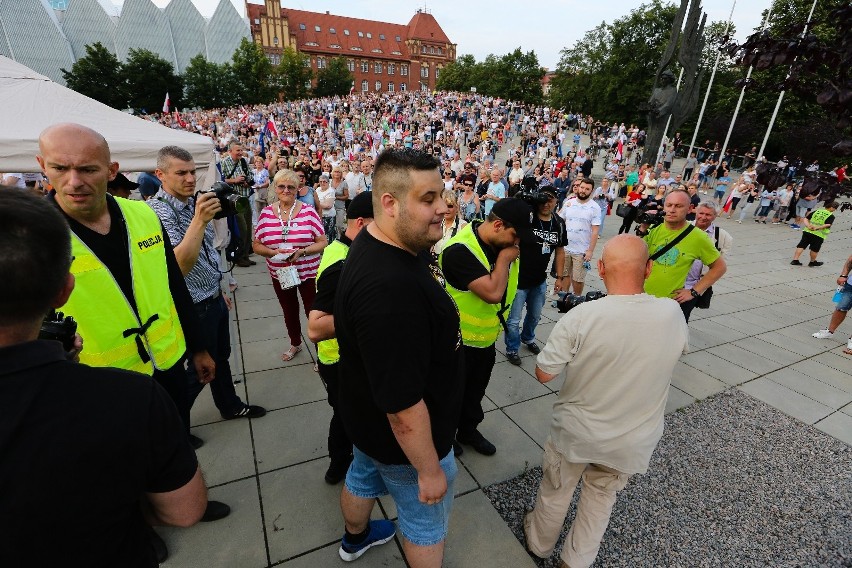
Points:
(335, 79)
(515, 76)
(149, 78)
(98, 75)
(209, 85)
(293, 75)
(458, 75)
(254, 74)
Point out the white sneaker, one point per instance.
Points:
(825, 334)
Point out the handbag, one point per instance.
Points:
(622, 209)
(288, 277)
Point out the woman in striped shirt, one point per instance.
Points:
(291, 233)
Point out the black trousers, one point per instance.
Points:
(478, 364)
(687, 308)
(246, 238)
(339, 445)
(174, 381)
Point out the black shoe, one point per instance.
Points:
(457, 449)
(251, 262)
(478, 442)
(533, 347)
(195, 441)
(215, 510)
(243, 262)
(248, 411)
(158, 545)
(815, 263)
(514, 359)
(795, 263)
(336, 471)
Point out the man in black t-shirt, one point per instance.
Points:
(91, 456)
(550, 236)
(401, 358)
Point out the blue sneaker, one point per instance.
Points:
(794, 226)
(380, 532)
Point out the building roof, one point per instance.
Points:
(325, 33)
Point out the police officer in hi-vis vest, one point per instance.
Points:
(359, 214)
(130, 300)
(480, 266)
(817, 226)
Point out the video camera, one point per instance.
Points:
(651, 216)
(568, 301)
(59, 327)
(231, 201)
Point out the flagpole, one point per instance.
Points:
(710, 84)
(742, 93)
(781, 94)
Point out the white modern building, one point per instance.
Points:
(49, 35)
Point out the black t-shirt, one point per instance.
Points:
(327, 284)
(400, 343)
(112, 250)
(80, 447)
(461, 267)
(694, 200)
(534, 261)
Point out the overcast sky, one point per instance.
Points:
(481, 27)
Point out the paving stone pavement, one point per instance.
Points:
(756, 338)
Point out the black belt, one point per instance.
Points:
(210, 299)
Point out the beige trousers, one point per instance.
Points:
(543, 524)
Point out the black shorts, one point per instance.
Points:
(810, 240)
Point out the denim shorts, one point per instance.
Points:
(845, 298)
(420, 524)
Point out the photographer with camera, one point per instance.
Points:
(237, 174)
(185, 215)
(549, 231)
(674, 245)
(91, 456)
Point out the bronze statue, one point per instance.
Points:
(667, 100)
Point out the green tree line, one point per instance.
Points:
(516, 76)
(141, 82)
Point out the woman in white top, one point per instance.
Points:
(449, 179)
(452, 222)
(325, 194)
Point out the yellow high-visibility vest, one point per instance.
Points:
(328, 351)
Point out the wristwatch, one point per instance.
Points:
(694, 293)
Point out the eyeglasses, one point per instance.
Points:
(283, 187)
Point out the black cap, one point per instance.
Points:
(121, 182)
(549, 190)
(518, 214)
(361, 206)
(149, 184)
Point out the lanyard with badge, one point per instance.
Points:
(545, 247)
(285, 230)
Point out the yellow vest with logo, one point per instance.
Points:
(328, 351)
(114, 335)
(480, 323)
(818, 217)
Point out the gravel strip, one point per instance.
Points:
(733, 482)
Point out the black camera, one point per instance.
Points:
(568, 301)
(59, 327)
(231, 201)
(650, 216)
(532, 198)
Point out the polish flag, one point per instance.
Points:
(620, 152)
(244, 115)
(166, 103)
(270, 129)
(179, 119)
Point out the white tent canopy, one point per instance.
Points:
(30, 102)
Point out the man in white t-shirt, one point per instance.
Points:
(608, 415)
(582, 222)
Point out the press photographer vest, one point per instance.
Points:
(818, 217)
(114, 336)
(328, 351)
(480, 321)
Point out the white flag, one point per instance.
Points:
(166, 103)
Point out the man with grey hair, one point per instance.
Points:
(705, 217)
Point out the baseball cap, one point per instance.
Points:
(549, 190)
(518, 214)
(149, 184)
(121, 182)
(361, 206)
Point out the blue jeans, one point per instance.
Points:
(420, 524)
(533, 298)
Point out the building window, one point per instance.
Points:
(334, 46)
(402, 87)
(431, 49)
(390, 87)
(398, 39)
(376, 50)
(365, 67)
(320, 62)
(391, 68)
(378, 85)
(403, 70)
(424, 71)
(345, 32)
(302, 26)
(274, 58)
(424, 87)
(350, 64)
(365, 85)
(369, 35)
(332, 31)
(308, 62)
(356, 48)
(437, 72)
(257, 21)
(382, 37)
(377, 67)
(360, 34)
(422, 49)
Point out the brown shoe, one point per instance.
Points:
(244, 262)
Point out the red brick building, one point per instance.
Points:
(382, 56)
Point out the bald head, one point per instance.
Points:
(69, 133)
(624, 265)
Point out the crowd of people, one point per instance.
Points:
(368, 209)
